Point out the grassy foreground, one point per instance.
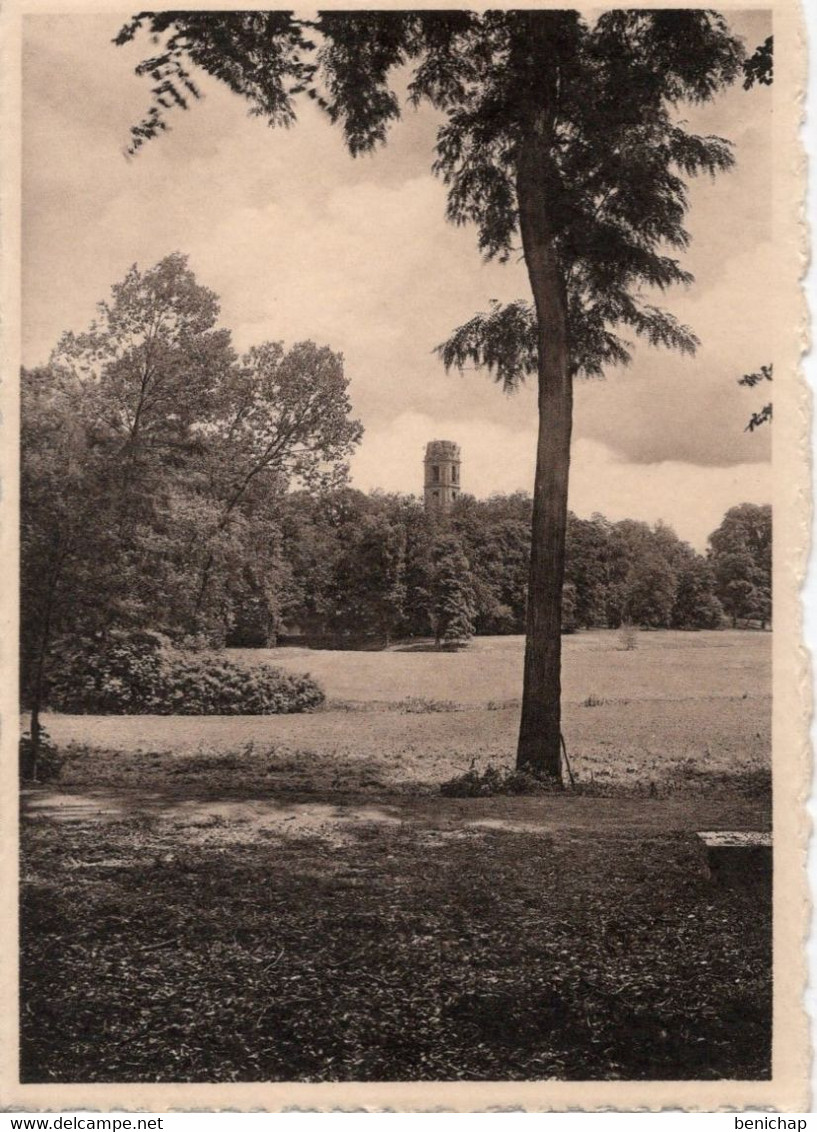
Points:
(398, 950)
(200, 909)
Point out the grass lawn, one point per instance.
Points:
(683, 708)
(664, 665)
(291, 898)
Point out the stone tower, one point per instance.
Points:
(442, 474)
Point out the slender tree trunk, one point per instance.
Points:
(540, 730)
(29, 770)
(205, 578)
(35, 728)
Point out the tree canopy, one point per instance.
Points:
(558, 133)
(764, 414)
(620, 151)
(741, 558)
(152, 457)
(759, 67)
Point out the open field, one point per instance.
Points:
(664, 746)
(665, 665)
(274, 898)
(679, 711)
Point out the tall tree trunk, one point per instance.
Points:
(29, 771)
(205, 578)
(540, 730)
(30, 766)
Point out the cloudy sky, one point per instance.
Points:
(300, 241)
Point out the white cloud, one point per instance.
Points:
(300, 241)
(499, 458)
(691, 498)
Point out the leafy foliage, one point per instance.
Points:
(741, 559)
(447, 594)
(212, 685)
(765, 373)
(40, 762)
(503, 340)
(619, 152)
(118, 674)
(154, 462)
(695, 604)
(650, 593)
(760, 417)
(497, 780)
(359, 570)
(759, 67)
(219, 43)
(618, 162)
(134, 674)
(554, 131)
(368, 591)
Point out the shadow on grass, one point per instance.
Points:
(245, 811)
(254, 813)
(270, 770)
(250, 771)
(602, 956)
(429, 646)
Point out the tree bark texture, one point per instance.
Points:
(29, 770)
(540, 730)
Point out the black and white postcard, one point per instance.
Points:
(405, 469)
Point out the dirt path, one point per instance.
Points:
(241, 820)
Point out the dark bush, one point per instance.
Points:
(138, 675)
(119, 674)
(48, 759)
(213, 685)
(495, 780)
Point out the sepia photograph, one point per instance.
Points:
(404, 689)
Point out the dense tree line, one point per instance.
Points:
(169, 484)
(356, 568)
(153, 460)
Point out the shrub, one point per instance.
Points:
(628, 637)
(499, 620)
(213, 685)
(498, 780)
(119, 674)
(593, 701)
(137, 674)
(421, 705)
(502, 705)
(49, 759)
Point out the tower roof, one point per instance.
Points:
(442, 450)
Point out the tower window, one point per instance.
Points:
(435, 473)
(436, 494)
(455, 474)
